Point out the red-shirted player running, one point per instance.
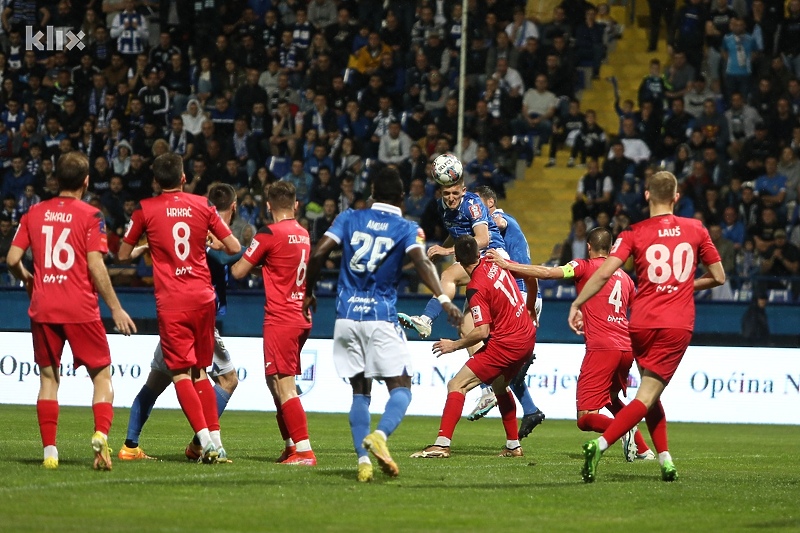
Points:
(666, 250)
(68, 241)
(177, 226)
(607, 363)
(504, 323)
(283, 249)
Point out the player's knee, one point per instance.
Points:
(583, 423)
(228, 382)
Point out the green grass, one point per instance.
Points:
(732, 478)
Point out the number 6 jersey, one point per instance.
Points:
(61, 232)
(666, 250)
(374, 244)
(177, 225)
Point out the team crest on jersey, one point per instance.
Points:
(477, 316)
(616, 244)
(252, 248)
(475, 210)
(308, 371)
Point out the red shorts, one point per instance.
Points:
(491, 362)
(187, 337)
(603, 374)
(282, 347)
(87, 340)
(660, 350)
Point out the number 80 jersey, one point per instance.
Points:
(666, 250)
(374, 244)
(177, 225)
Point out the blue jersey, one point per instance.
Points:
(470, 213)
(374, 244)
(516, 244)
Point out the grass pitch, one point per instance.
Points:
(732, 478)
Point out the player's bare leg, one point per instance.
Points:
(193, 409)
(399, 398)
(157, 382)
(284, 390)
(453, 277)
(102, 401)
(508, 412)
(457, 388)
(488, 399)
(47, 413)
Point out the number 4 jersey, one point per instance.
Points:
(283, 248)
(177, 225)
(666, 250)
(61, 232)
(374, 244)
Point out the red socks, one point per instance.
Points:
(641, 445)
(508, 410)
(657, 424)
(452, 414)
(103, 414)
(205, 391)
(594, 422)
(295, 419)
(190, 403)
(631, 415)
(47, 413)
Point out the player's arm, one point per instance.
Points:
(318, 256)
(592, 287)
(447, 248)
(131, 253)
(102, 283)
(481, 232)
(714, 277)
(429, 276)
(479, 334)
(232, 245)
(14, 262)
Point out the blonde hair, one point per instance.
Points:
(663, 187)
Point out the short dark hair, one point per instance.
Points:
(600, 239)
(71, 171)
(168, 170)
(388, 186)
(282, 195)
(484, 191)
(466, 249)
(222, 196)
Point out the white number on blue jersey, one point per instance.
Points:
(365, 245)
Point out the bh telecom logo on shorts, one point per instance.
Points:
(55, 39)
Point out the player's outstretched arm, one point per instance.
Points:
(232, 245)
(714, 277)
(103, 284)
(318, 256)
(444, 250)
(429, 276)
(14, 263)
(592, 287)
(241, 268)
(478, 334)
(528, 271)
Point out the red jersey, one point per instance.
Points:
(283, 248)
(605, 315)
(177, 225)
(61, 232)
(495, 299)
(666, 250)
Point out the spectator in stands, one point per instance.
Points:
(635, 148)
(416, 201)
(130, 30)
(590, 42)
(742, 120)
(653, 88)
(763, 98)
(503, 49)
(538, 109)
(302, 181)
(594, 194)
(347, 196)
(789, 40)
(737, 50)
(321, 118)
(395, 146)
(520, 29)
(780, 259)
(732, 228)
(566, 129)
(575, 245)
(771, 187)
(713, 125)
(697, 94)
(687, 32)
(764, 231)
(677, 127)
(717, 27)
(481, 172)
(16, 179)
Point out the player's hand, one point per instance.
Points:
(495, 257)
(309, 303)
(575, 320)
(123, 323)
(444, 346)
(214, 243)
(436, 251)
(27, 281)
(454, 315)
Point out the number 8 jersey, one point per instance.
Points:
(177, 225)
(666, 250)
(374, 244)
(61, 232)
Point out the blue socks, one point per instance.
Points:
(433, 309)
(140, 412)
(395, 410)
(360, 422)
(222, 399)
(522, 393)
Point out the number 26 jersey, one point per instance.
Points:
(666, 250)
(177, 225)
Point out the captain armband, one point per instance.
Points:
(568, 270)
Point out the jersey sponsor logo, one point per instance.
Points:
(475, 210)
(308, 371)
(179, 212)
(477, 315)
(55, 216)
(54, 278)
(616, 244)
(180, 271)
(573, 263)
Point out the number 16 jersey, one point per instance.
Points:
(177, 225)
(666, 250)
(374, 244)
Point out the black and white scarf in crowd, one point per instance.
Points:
(177, 143)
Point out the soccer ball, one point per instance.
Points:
(447, 170)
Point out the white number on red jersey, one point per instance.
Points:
(505, 283)
(659, 268)
(53, 253)
(181, 233)
(615, 298)
(302, 268)
(377, 249)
